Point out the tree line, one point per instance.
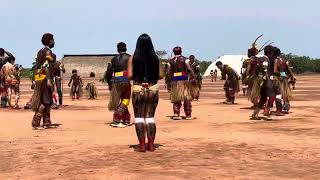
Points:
(303, 64)
(300, 64)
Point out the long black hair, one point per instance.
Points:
(145, 62)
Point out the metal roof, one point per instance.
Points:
(88, 55)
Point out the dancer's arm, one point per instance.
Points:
(290, 72)
(223, 74)
(108, 74)
(69, 84)
(80, 80)
(130, 68)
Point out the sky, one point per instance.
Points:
(205, 28)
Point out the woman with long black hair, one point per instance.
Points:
(145, 71)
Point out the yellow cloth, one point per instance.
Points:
(39, 77)
(119, 74)
(126, 102)
(177, 74)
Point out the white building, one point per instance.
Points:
(234, 61)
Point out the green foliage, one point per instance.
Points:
(303, 64)
(25, 73)
(204, 66)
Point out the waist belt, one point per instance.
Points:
(140, 88)
(179, 76)
(121, 76)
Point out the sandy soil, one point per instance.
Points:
(222, 143)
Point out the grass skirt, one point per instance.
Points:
(115, 95)
(194, 90)
(285, 90)
(42, 95)
(180, 91)
(255, 92)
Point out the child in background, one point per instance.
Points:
(76, 85)
(91, 88)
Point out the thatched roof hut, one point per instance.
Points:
(86, 63)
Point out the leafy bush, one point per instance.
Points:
(25, 73)
(204, 66)
(302, 64)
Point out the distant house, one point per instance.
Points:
(86, 63)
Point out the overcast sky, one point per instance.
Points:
(206, 28)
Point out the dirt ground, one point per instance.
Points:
(222, 143)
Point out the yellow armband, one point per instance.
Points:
(126, 102)
(39, 77)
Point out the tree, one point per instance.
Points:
(302, 64)
(204, 65)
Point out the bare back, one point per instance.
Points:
(8, 71)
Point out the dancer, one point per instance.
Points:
(56, 81)
(167, 77)
(5, 56)
(244, 78)
(254, 74)
(262, 85)
(31, 76)
(231, 86)
(181, 76)
(144, 70)
(120, 87)
(252, 79)
(283, 73)
(269, 88)
(57, 72)
(195, 86)
(91, 88)
(274, 87)
(16, 88)
(76, 85)
(213, 75)
(42, 97)
(11, 75)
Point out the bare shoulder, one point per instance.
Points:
(130, 59)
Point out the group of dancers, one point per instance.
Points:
(145, 69)
(266, 81)
(46, 78)
(136, 77)
(9, 80)
(10, 74)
